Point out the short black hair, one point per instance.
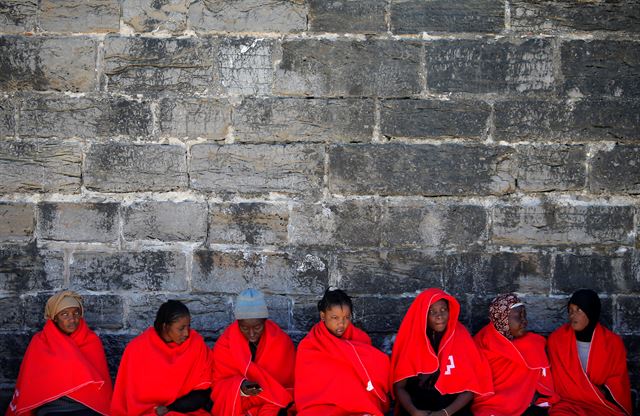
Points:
(169, 312)
(334, 297)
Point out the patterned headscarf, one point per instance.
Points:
(499, 312)
(62, 300)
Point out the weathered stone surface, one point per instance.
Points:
(257, 169)
(79, 16)
(17, 221)
(39, 166)
(248, 223)
(128, 270)
(551, 168)
(601, 67)
(434, 118)
(11, 318)
(485, 66)
(415, 16)
(33, 309)
(149, 15)
(47, 63)
(7, 118)
(13, 344)
(103, 311)
(143, 308)
(350, 16)
(194, 117)
(398, 169)
(304, 316)
(627, 310)
(616, 170)
(248, 16)
(210, 314)
(118, 167)
(348, 68)
(545, 223)
(68, 221)
(114, 345)
(244, 65)
(18, 16)
(26, 268)
(380, 314)
(602, 273)
(165, 221)
(303, 120)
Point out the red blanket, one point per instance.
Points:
(606, 367)
(153, 373)
(273, 369)
(57, 365)
(340, 376)
(519, 367)
(462, 367)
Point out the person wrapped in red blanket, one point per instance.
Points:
(338, 371)
(522, 378)
(64, 368)
(589, 363)
(435, 365)
(253, 363)
(165, 370)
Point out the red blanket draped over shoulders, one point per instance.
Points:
(273, 369)
(606, 367)
(462, 367)
(519, 368)
(57, 365)
(155, 373)
(340, 376)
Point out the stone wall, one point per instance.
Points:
(190, 148)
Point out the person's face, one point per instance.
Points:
(438, 316)
(518, 321)
(177, 331)
(252, 329)
(337, 319)
(68, 319)
(577, 318)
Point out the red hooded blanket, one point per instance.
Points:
(273, 369)
(519, 367)
(57, 365)
(340, 376)
(606, 367)
(155, 373)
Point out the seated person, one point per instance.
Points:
(253, 363)
(522, 379)
(435, 366)
(338, 371)
(165, 369)
(588, 363)
(64, 370)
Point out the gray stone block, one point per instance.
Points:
(128, 271)
(616, 170)
(415, 16)
(627, 310)
(165, 221)
(350, 16)
(13, 345)
(18, 16)
(602, 273)
(322, 67)
(103, 311)
(244, 65)
(304, 315)
(26, 267)
(430, 170)
(47, 63)
(434, 118)
(257, 169)
(79, 16)
(210, 314)
(248, 16)
(544, 314)
(252, 223)
(7, 118)
(488, 66)
(551, 168)
(118, 167)
(69, 221)
(303, 120)
(149, 15)
(194, 117)
(114, 345)
(380, 314)
(40, 166)
(33, 309)
(601, 67)
(17, 221)
(142, 310)
(12, 318)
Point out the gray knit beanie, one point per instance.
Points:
(250, 304)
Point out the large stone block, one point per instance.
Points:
(380, 314)
(33, 309)
(616, 170)
(69, 221)
(103, 311)
(17, 221)
(18, 16)
(79, 16)
(114, 345)
(40, 166)
(47, 63)
(602, 273)
(244, 65)
(490, 66)
(13, 345)
(601, 67)
(149, 15)
(545, 314)
(128, 270)
(142, 310)
(194, 117)
(551, 168)
(252, 223)
(627, 309)
(350, 16)
(303, 120)
(257, 169)
(7, 118)
(165, 221)
(12, 318)
(26, 268)
(118, 167)
(415, 16)
(434, 118)
(322, 67)
(398, 169)
(211, 314)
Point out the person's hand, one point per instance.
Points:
(162, 410)
(420, 413)
(250, 388)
